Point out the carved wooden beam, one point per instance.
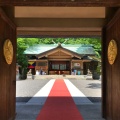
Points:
(82, 3)
(58, 34)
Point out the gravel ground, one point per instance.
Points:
(91, 88)
(25, 89)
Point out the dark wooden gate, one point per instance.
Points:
(7, 72)
(111, 73)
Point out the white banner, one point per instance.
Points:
(76, 64)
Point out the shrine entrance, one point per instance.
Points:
(59, 67)
(61, 19)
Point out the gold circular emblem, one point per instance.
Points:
(112, 51)
(8, 51)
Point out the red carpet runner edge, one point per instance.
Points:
(59, 104)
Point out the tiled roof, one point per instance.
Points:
(79, 49)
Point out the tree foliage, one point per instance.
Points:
(21, 58)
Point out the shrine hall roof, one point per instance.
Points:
(79, 49)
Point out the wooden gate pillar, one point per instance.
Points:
(111, 72)
(7, 70)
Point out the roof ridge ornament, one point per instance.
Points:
(59, 43)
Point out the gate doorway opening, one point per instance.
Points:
(85, 78)
(61, 19)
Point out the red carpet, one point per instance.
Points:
(59, 104)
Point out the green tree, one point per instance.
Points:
(21, 58)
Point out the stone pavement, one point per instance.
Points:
(26, 89)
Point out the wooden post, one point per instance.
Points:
(7, 71)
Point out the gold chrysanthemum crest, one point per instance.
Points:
(112, 51)
(8, 51)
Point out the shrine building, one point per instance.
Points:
(60, 59)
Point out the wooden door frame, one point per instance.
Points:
(105, 78)
(66, 3)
